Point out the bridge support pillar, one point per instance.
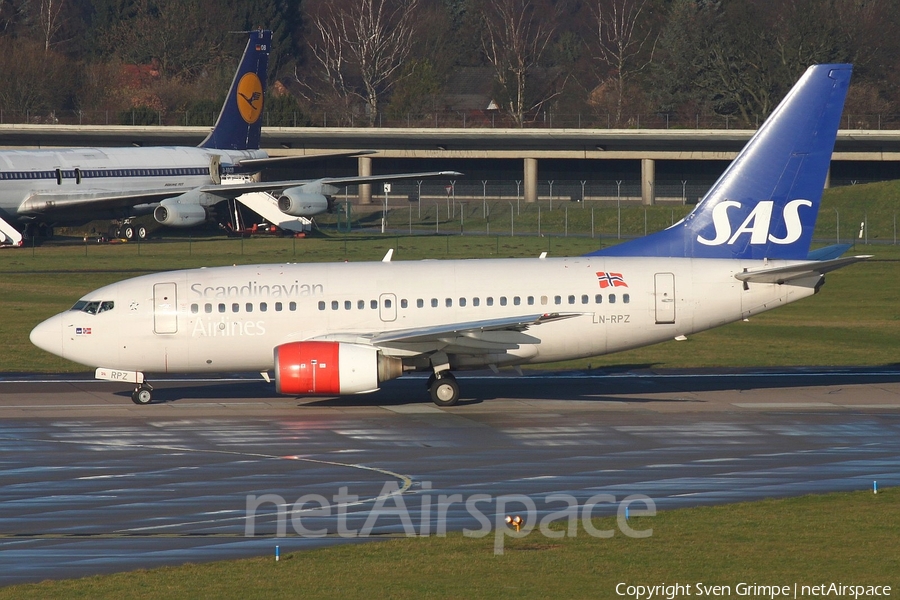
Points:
(648, 181)
(531, 169)
(365, 189)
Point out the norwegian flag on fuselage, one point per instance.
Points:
(611, 279)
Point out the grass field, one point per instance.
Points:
(847, 538)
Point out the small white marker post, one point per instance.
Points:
(875, 486)
(277, 553)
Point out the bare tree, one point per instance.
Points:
(514, 40)
(622, 35)
(369, 39)
(49, 20)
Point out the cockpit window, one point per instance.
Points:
(94, 307)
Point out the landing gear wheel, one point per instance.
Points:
(141, 232)
(444, 390)
(142, 395)
(128, 232)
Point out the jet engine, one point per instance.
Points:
(307, 200)
(179, 215)
(332, 368)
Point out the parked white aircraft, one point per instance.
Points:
(43, 188)
(344, 328)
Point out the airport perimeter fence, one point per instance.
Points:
(436, 119)
(605, 210)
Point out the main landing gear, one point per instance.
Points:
(444, 389)
(142, 394)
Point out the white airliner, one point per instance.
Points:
(43, 188)
(344, 328)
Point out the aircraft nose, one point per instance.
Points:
(48, 335)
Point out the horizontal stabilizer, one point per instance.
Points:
(797, 270)
(828, 252)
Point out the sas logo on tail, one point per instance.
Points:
(250, 98)
(611, 279)
(756, 224)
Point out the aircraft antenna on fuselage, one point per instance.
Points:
(239, 125)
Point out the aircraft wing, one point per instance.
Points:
(50, 204)
(56, 204)
(797, 271)
(255, 164)
(474, 337)
(236, 189)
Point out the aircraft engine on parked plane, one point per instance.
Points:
(332, 368)
(307, 200)
(179, 215)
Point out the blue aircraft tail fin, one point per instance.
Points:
(240, 123)
(765, 203)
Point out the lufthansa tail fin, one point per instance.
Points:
(765, 204)
(240, 123)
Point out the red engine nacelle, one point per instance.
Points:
(331, 368)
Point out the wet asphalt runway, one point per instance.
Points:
(92, 483)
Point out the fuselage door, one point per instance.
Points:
(387, 307)
(664, 293)
(215, 168)
(165, 308)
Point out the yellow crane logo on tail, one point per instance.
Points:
(250, 98)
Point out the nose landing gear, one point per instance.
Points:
(142, 394)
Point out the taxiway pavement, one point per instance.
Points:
(92, 483)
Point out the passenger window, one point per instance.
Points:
(388, 303)
(448, 302)
(543, 300)
(434, 303)
(348, 305)
(612, 298)
(195, 308)
(335, 305)
(626, 298)
(557, 299)
(476, 301)
(321, 305)
(292, 306)
(234, 307)
(207, 308)
(420, 303)
(571, 299)
(249, 306)
(490, 301)
(585, 299)
(462, 301)
(361, 304)
(278, 306)
(598, 299)
(373, 304)
(403, 303)
(502, 300)
(530, 300)
(223, 309)
(517, 301)
(263, 307)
